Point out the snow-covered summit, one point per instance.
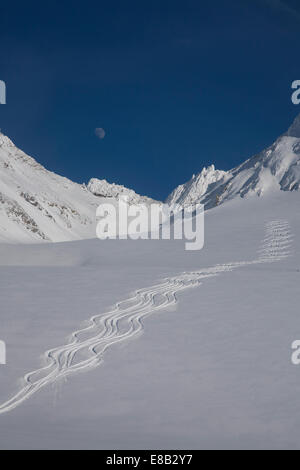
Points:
(196, 187)
(276, 168)
(294, 129)
(105, 189)
(5, 141)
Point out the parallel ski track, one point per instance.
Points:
(87, 346)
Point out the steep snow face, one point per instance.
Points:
(276, 168)
(105, 189)
(37, 205)
(196, 187)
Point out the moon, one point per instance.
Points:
(100, 133)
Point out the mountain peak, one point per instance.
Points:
(5, 141)
(196, 187)
(105, 189)
(294, 129)
(276, 168)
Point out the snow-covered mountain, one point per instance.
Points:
(276, 168)
(197, 187)
(105, 189)
(36, 204)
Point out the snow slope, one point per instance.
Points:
(88, 345)
(276, 168)
(210, 366)
(37, 205)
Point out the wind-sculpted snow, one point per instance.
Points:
(87, 346)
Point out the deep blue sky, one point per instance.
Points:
(177, 85)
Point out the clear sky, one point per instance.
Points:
(176, 85)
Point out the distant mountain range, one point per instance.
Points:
(37, 205)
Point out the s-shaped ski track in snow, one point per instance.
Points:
(87, 346)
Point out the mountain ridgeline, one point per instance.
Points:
(38, 205)
(276, 168)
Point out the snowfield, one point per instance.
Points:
(126, 344)
(141, 344)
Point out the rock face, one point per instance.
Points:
(37, 205)
(274, 169)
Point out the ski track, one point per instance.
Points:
(87, 346)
